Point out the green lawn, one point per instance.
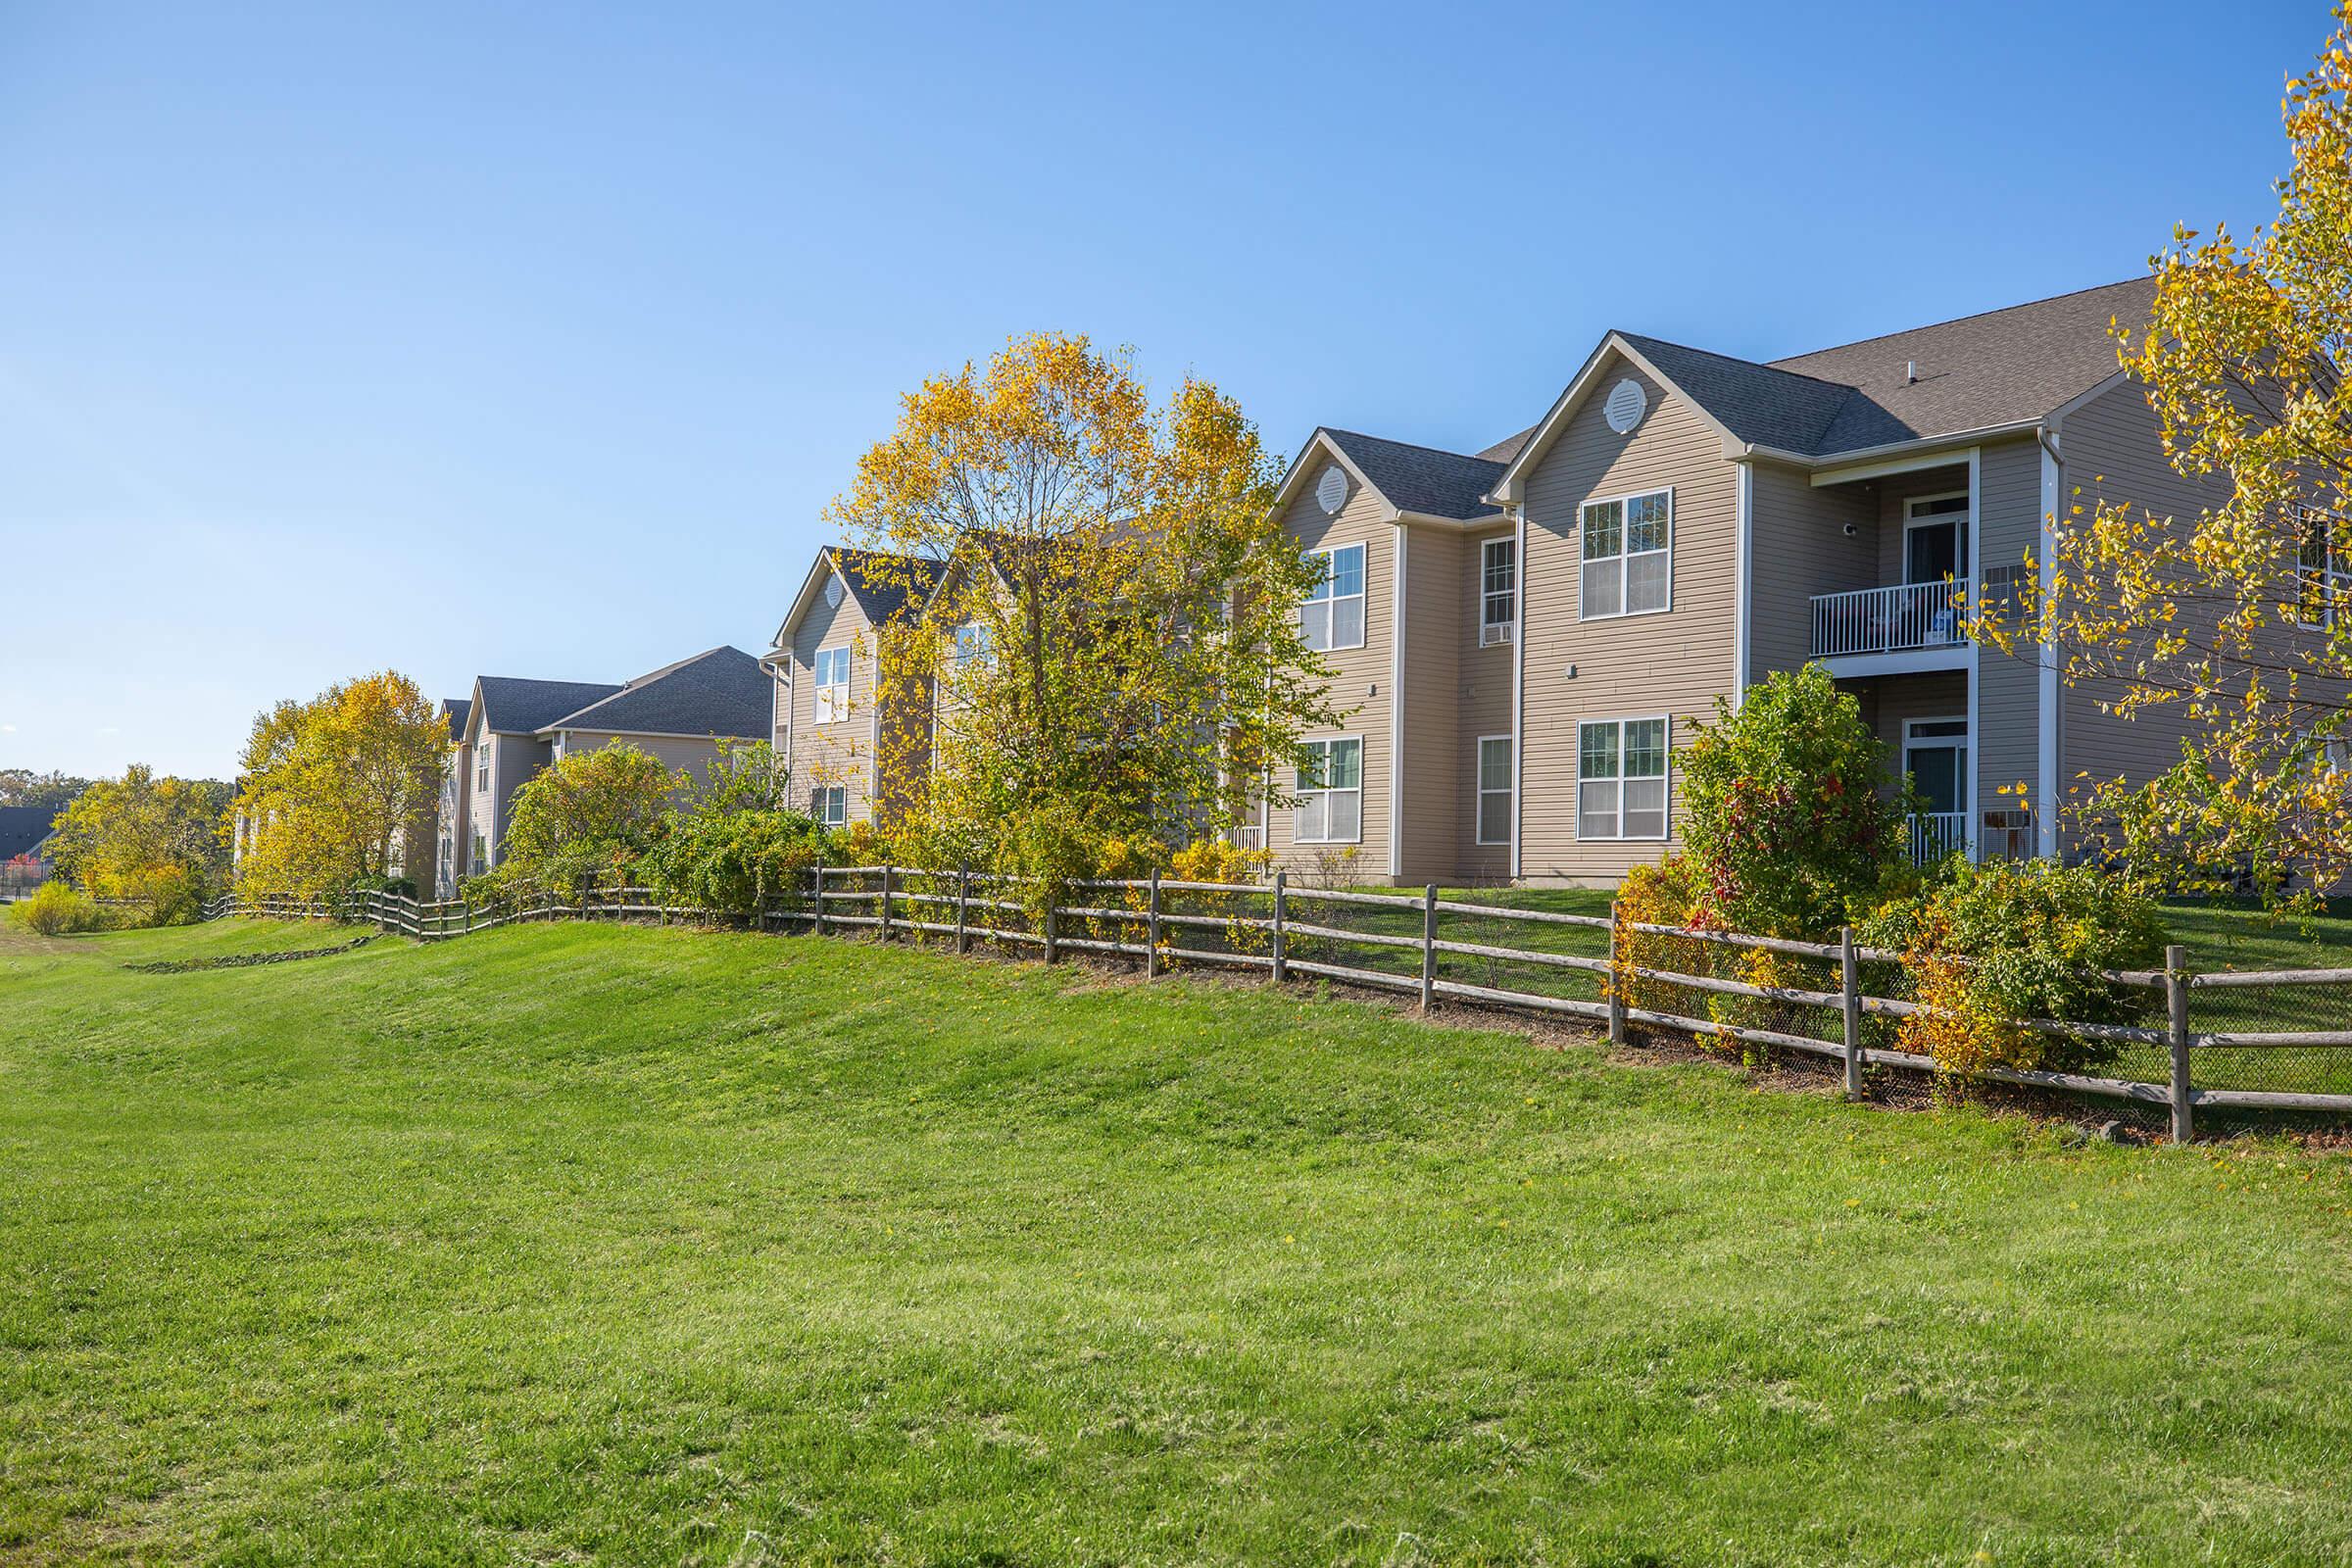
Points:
(565, 1244)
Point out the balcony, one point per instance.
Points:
(1938, 836)
(1874, 631)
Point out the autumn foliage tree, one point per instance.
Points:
(583, 821)
(1113, 652)
(329, 783)
(148, 840)
(2237, 621)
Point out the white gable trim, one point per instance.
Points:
(1321, 441)
(1512, 486)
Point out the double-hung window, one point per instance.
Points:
(972, 647)
(1494, 789)
(830, 806)
(1621, 779)
(1332, 616)
(481, 854)
(481, 764)
(1629, 556)
(1331, 793)
(832, 684)
(2326, 562)
(1499, 591)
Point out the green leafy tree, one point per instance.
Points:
(1788, 809)
(21, 786)
(1114, 650)
(584, 819)
(330, 783)
(154, 841)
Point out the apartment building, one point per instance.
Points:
(510, 728)
(829, 711)
(1524, 634)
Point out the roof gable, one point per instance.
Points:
(721, 691)
(884, 587)
(507, 705)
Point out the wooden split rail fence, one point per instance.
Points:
(1147, 919)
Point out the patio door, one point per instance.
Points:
(1935, 538)
(1935, 757)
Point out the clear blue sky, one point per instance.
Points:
(532, 341)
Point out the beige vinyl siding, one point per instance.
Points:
(2113, 452)
(1361, 676)
(1437, 559)
(1892, 492)
(1889, 701)
(673, 752)
(1799, 547)
(1676, 663)
(839, 752)
(2008, 687)
(1483, 704)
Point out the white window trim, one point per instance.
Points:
(1966, 740)
(1327, 742)
(820, 690)
(1623, 556)
(1967, 519)
(1577, 804)
(1479, 791)
(2335, 582)
(1495, 633)
(816, 805)
(1362, 596)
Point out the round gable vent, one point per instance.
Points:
(833, 592)
(1626, 405)
(1331, 491)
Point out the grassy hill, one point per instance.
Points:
(575, 1243)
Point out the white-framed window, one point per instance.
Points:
(1629, 556)
(2325, 567)
(832, 684)
(972, 646)
(1331, 793)
(481, 852)
(1621, 778)
(1497, 591)
(1494, 789)
(481, 764)
(1332, 616)
(830, 805)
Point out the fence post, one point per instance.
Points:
(1849, 977)
(1152, 931)
(1282, 968)
(1616, 980)
(963, 903)
(818, 905)
(886, 880)
(1051, 909)
(1429, 947)
(2176, 996)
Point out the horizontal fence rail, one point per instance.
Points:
(1399, 942)
(1891, 620)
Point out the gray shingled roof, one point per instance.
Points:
(2005, 366)
(22, 829)
(1423, 479)
(884, 583)
(457, 709)
(2000, 368)
(513, 706)
(722, 691)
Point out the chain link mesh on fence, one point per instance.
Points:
(1786, 1002)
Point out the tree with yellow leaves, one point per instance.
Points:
(1111, 652)
(2237, 621)
(330, 783)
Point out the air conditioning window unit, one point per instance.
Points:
(1498, 632)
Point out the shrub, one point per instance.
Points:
(581, 822)
(737, 862)
(1986, 946)
(54, 909)
(1788, 808)
(1673, 893)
